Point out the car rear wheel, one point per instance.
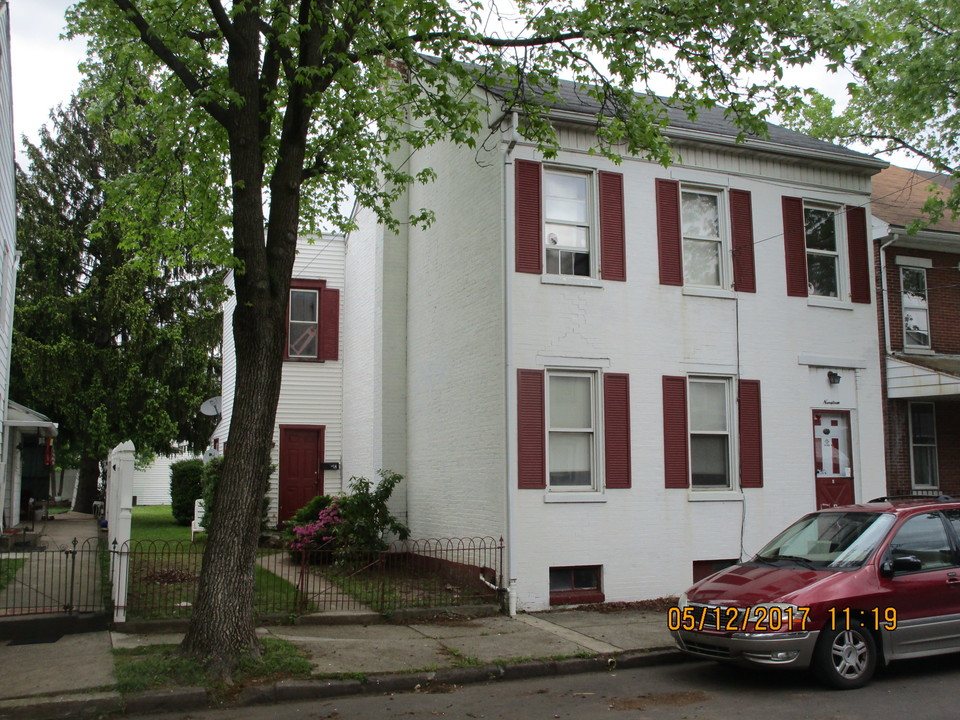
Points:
(845, 658)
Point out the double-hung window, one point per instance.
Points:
(313, 321)
(571, 430)
(704, 253)
(916, 319)
(710, 436)
(824, 275)
(568, 222)
(570, 226)
(923, 445)
(304, 328)
(712, 433)
(827, 251)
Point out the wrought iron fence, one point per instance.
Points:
(162, 577)
(44, 580)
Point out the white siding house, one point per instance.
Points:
(27, 436)
(308, 437)
(632, 373)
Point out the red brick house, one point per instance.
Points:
(919, 279)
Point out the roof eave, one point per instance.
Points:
(757, 145)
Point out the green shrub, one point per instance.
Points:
(185, 487)
(304, 516)
(358, 521)
(366, 517)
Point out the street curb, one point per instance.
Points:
(195, 698)
(77, 705)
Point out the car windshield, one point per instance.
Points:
(824, 540)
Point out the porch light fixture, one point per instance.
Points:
(833, 377)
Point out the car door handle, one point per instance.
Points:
(953, 581)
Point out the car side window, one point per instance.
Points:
(953, 516)
(925, 538)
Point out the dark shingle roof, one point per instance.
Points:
(575, 98)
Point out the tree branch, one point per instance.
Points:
(171, 60)
(222, 18)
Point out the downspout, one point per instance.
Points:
(883, 291)
(509, 370)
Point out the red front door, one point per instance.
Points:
(301, 462)
(832, 459)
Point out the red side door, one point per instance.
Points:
(301, 463)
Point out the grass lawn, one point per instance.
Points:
(159, 666)
(8, 568)
(155, 522)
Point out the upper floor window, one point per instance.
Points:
(704, 247)
(705, 238)
(827, 251)
(916, 320)
(568, 222)
(304, 327)
(824, 277)
(313, 319)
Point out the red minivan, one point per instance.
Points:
(840, 591)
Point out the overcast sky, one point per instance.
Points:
(45, 70)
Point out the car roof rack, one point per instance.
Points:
(915, 496)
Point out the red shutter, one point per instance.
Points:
(751, 435)
(329, 324)
(859, 254)
(613, 249)
(741, 226)
(529, 216)
(616, 429)
(675, 455)
(668, 232)
(531, 430)
(795, 246)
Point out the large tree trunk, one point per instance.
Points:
(87, 484)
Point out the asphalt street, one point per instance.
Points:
(920, 690)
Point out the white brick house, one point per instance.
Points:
(308, 433)
(632, 373)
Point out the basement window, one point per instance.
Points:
(575, 585)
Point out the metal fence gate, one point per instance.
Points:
(65, 579)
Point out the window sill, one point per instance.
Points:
(919, 351)
(710, 292)
(573, 280)
(714, 496)
(576, 597)
(824, 302)
(572, 496)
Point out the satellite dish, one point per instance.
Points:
(211, 406)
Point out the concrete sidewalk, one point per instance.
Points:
(73, 676)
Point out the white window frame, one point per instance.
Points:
(723, 241)
(905, 307)
(591, 224)
(840, 252)
(315, 323)
(731, 431)
(936, 467)
(596, 481)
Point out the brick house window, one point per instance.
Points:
(916, 319)
(923, 445)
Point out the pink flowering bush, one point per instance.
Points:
(319, 533)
